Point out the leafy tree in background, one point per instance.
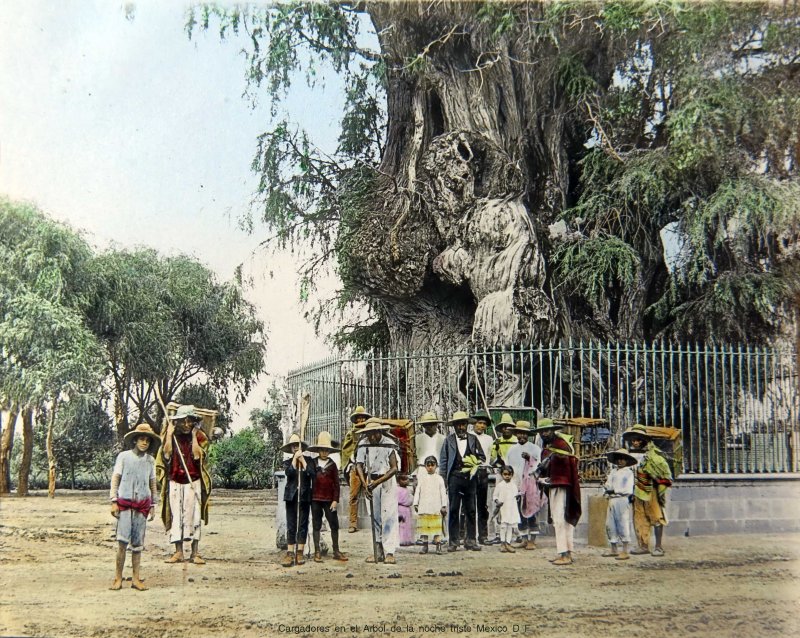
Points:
(83, 438)
(585, 129)
(165, 322)
(242, 460)
(48, 356)
(204, 396)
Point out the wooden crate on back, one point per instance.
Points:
(591, 439)
(209, 417)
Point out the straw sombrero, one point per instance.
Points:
(546, 425)
(295, 438)
(460, 417)
(621, 453)
(429, 418)
(482, 415)
(324, 443)
(186, 412)
(636, 430)
(146, 430)
(373, 424)
(523, 427)
(359, 411)
(505, 422)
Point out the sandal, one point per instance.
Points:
(657, 552)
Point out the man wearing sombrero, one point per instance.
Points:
(358, 417)
(524, 457)
(559, 473)
(133, 491)
(653, 478)
(459, 461)
(185, 481)
(428, 442)
(377, 462)
(618, 489)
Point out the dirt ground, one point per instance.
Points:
(57, 562)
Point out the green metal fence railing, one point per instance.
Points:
(737, 407)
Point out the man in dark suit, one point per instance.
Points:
(459, 475)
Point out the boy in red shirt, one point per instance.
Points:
(325, 495)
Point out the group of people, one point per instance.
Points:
(177, 462)
(450, 501)
(449, 506)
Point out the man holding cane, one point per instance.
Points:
(187, 485)
(376, 463)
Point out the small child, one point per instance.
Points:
(404, 503)
(618, 490)
(133, 490)
(297, 499)
(430, 504)
(325, 495)
(505, 502)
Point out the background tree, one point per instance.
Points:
(47, 353)
(167, 321)
(82, 432)
(532, 158)
(533, 155)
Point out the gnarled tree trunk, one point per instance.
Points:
(476, 169)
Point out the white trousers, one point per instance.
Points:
(384, 504)
(565, 533)
(618, 520)
(185, 508)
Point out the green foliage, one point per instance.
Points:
(83, 444)
(243, 460)
(593, 267)
(168, 320)
(302, 188)
(46, 349)
(204, 395)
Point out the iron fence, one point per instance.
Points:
(736, 407)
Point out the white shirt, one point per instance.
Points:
(620, 481)
(375, 459)
(506, 493)
(428, 446)
(515, 460)
(486, 443)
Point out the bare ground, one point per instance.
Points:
(57, 562)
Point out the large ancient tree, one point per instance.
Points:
(506, 171)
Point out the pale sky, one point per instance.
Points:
(130, 131)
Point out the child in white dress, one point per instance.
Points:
(505, 503)
(430, 504)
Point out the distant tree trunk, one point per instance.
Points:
(6, 445)
(27, 452)
(51, 457)
(120, 418)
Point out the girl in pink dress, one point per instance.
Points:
(405, 498)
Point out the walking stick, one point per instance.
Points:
(305, 405)
(175, 445)
(371, 513)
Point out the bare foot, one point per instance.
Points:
(197, 559)
(175, 558)
(117, 584)
(139, 585)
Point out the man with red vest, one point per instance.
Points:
(558, 472)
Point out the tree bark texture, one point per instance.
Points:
(27, 452)
(6, 446)
(51, 457)
(476, 167)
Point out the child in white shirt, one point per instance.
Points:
(430, 504)
(505, 502)
(618, 490)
